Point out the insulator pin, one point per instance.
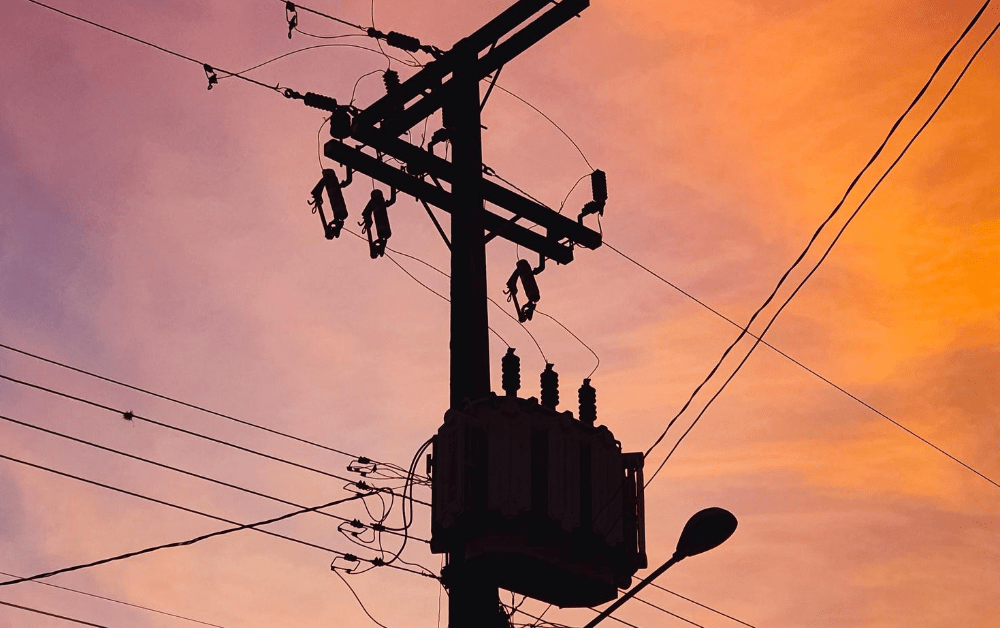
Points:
(588, 404)
(391, 80)
(550, 388)
(511, 372)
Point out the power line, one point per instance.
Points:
(137, 417)
(716, 611)
(663, 610)
(586, 346)
(122, 602)
(209, 69)
(192, 406)
(360, 603)
(820, 262)
(186, 472)
(551, 121)
(155, 500)
(329, 17)
(62, 617)
(237, 527)
(822, 225)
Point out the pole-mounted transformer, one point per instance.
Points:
(548, 505)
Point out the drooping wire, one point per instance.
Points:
(379, 42)
(360, 603)
(137, 417)
(358, 82)
(198, 539)
(241, 73)
(192, 406)
(820, 262)
(562, 205)
(122, 602)
(179, 470)
(204, 65)
(586, 346)
(551, 121)
(835, 211)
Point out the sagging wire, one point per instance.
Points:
(586, 346)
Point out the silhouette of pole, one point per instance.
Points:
(473, 601)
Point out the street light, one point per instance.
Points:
(705, 530)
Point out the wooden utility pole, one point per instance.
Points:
(451, 83)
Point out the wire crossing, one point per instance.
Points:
(192, 406)
(132, 416)
(194, 475)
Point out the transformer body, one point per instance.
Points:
(549, 506)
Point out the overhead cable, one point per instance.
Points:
(132, 416)
(210, 70)
(816, 267)
(198, 476)
(192, 406)
(833, 214)
(122, 602)
(706, 607)
(237, 527)
(48, 614)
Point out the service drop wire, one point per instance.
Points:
(839, 206)
(192, 541)
(826, 253)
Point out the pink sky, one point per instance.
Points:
(158, 232)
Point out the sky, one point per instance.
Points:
(158, 233)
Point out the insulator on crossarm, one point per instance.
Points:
(511, 372)
(599, 185)
(391, 80)
(550, 388)
(588, 404)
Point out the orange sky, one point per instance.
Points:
(158, 232)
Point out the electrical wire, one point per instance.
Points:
(329, 17)
(122, 602)
(358, 82)
(155, 46)
(551, 121)
(192, 406)
(833, 214)
(62, 617)
(137, 417)
(696, 603)
(586, 346)
(816, 267)
(360, 603)
(663, 610)
(237, 527)
(192, 474)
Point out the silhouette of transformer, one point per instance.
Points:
(546, 504)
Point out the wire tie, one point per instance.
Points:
(292, 17)
(210, 74)
(128, 416)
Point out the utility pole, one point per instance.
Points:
(473, 602)
(451, 83)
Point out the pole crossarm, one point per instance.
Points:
(419, 160)
(358, 160)
(428, 85)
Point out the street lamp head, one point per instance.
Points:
(705, 530)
